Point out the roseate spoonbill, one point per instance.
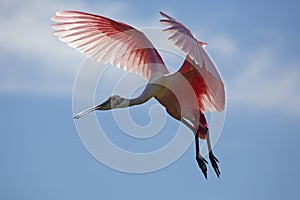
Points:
(111, 42)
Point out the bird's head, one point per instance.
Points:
(113, 102)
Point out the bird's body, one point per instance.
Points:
(176, 94)
(186, 94)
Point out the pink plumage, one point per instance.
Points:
(195, 88)
(108, 42)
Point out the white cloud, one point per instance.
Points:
(258, 77)
(26, 35)
(266, 82)
(223, 45)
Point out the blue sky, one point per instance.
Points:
(256, 47)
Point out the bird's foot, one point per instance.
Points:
(202, 164)
(214, 162)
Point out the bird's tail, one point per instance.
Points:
(84, 112)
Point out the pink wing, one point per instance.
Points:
(109, 42)
(206, 79)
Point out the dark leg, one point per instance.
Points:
(214, 161)
(200, 160)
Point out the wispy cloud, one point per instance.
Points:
(26, 36)
(256, 76)
(267, 83)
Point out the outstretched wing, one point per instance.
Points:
(109, 42)
(198, 67)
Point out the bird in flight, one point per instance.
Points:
(187, 94)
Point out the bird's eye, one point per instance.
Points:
(118, 101)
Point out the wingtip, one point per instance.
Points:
(59, 12)
(203, 44)
(165, 15)
(52, 19)
(63, 13)
(56, 15)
